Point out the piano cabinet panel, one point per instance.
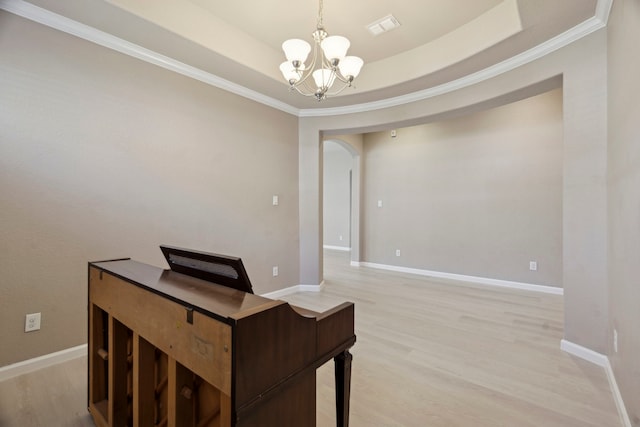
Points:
(149, 369)
(119, 373)
(181, 398)
(335, 326)
(294, 405)
(133, 382)
(203, 346)
(98, 392)
(143, 387)
(158, 359)
(111, 368)
(270, 347)
(193, 401)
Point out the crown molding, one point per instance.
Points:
(69, 26)
(581, 30)
(603, 9)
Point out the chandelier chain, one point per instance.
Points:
(320, 11)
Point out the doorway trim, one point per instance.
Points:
(355, 191)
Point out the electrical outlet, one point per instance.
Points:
(275, 271)
(32, 322)
(615, 340)
(397, 252)
(533, 265)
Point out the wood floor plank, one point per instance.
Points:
(429, 352)
(435, 352)
(53, 396)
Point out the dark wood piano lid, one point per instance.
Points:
(225, 304)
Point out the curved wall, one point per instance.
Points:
(580, 69)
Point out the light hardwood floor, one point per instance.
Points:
(430, 352)
(433, 352)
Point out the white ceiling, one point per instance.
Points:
(421, 21)
(438, 41)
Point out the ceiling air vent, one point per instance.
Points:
(383, 25)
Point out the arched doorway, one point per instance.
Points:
(341, 195)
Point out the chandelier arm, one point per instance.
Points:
(303, 78)
(297, 89)
(344, 86)
(342, 78)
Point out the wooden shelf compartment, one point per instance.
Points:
(109, 367)
(134, 382)
(170, 350)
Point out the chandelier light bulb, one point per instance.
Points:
(289, 72)
(350, 67)
(324, 78)
(296, 50)
(335, 47)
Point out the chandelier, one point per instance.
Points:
(329, 63)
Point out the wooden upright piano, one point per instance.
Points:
(193, 346)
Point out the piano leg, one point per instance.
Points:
(343, 387)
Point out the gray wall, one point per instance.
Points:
(580, 69)
(105, 156)
(624, 199)
(479, 195)
(337, 165)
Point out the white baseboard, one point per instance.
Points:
(293, 289)
(337, 248)
(464, 278)
(584, 353)
(600, 360)
(26, 366)
(617, 396)
(40, 362)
